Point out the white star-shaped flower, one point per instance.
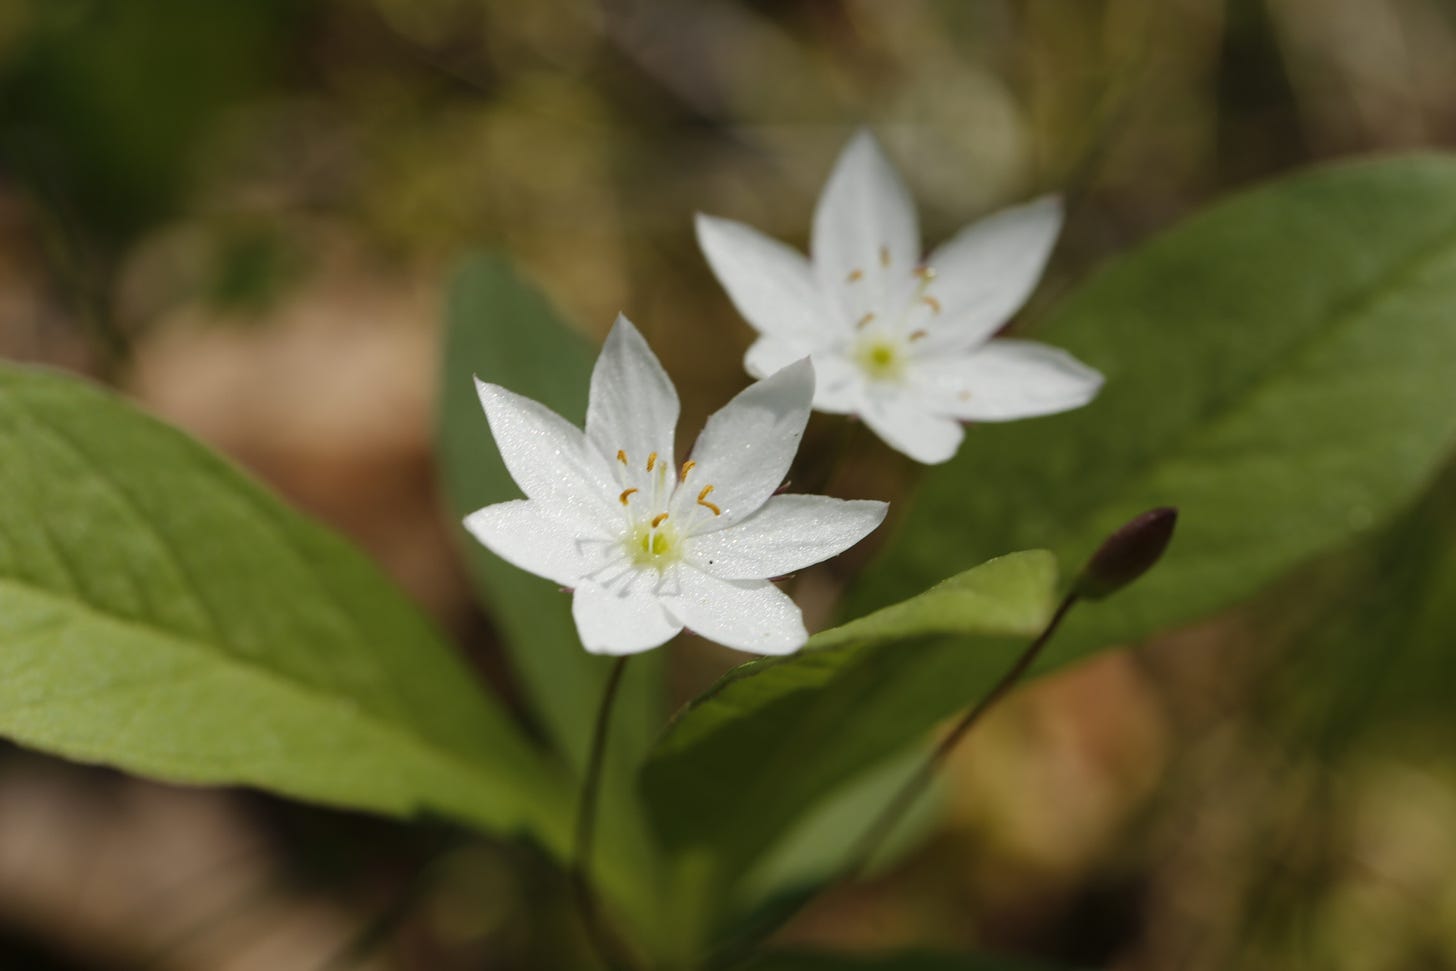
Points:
(903, 343)
(650, 547)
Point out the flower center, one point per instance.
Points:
(653, 539)
(654, 543)
(881, 358)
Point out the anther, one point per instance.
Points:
(926, 273)
(621, 456)
(884, 256)
(703, 501)
(625, 493)
(855, 276)
(657, 520)
(686, 468)
(865, 320)
(931, 302)
(916, 335)
(651, 461)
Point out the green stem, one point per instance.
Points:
(606, 943)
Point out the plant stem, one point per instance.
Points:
(608, 947)
(737, 951)
(910, 793)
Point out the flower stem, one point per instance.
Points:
(910, 793)
(606, 943)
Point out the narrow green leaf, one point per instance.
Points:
(161, 613)
(501, 329)
(736, 768)
(1278, 368)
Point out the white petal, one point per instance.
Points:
(633, 406)
(746, 447)
(626, 618)
(747, 615)
(1005, 380)
(865, 218)
(907, 426)
(770, 283)
(837, 382)
(788, 533)
(525, 535)
(548, 457)
(986, 271)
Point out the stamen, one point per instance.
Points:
(703, 501)
(625, 493)
(931, 302)
(916, 335)
(964, 396)
(855, 276)
(621, 456)
(926, 273)
(686, 468)
(651, 461)
(884, 256)
(657, 520)
(864, 321)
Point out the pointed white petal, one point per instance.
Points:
(837, 382)
(746, 615)
(746, 447)
(788, 533)
(1005, 380)
(770, 283)
(548, 457)
(985, 272)
(625, 618)
(633, 406)
(907, 426)
(524, 534)
(865, 218)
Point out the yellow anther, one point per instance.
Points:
(916, 335)
(657, 520)
(855, 276)
(865, 320)
(686, 468)
(884, 256)
(703, 501)
(931, 302)
(625, 493)
(621, 456)
(651, 461)
(926, 273)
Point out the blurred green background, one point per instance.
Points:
(244, 215)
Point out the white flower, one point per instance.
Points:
(650, 547)
(902, 343)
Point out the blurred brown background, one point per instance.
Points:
(244, 214)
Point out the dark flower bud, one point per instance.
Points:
(1127, 554)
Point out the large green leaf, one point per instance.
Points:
(1277, 367)
(502, 330)
(736, 768)
(161, 613)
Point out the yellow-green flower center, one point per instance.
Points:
(654, 546)
(881, 358)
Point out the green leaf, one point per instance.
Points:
(1278, 368)
(735, 769)
(161, 613)
(502, 330)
